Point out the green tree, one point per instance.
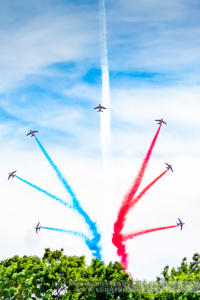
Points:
(182, 282)
(56, 275)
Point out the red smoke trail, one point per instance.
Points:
(117, 239)
(135, 200)
(132, 235)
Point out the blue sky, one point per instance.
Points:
(54, 57)
(50, 81)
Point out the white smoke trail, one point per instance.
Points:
(105, 127)
(105, 101)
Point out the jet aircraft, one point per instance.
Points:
(169, 167)
(180, 223)
(32, 133)
(100, 107)
(37, 228)
(160, 122)
(12, 174)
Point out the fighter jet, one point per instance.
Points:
(100, 107)
(180, 223)
(32, 133)
(37, 228)
(169, 167)
(12, 174)
(160, 122)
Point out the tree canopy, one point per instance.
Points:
(57, 276)
(186, 271)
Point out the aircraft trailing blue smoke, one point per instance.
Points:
(45, 192)
(92, 243)
(79, 234)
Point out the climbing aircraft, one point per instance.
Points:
(37, 228)
(169, 167)
(161, 122)
(12, 174)
(180, 223)
(100, 107)
(32, 133)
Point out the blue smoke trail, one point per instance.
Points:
(93, 244)
(43, 191)
(79, 234)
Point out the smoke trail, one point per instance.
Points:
(86, 239)
(132, 235)
(94, 247)
(79, 234)
(119, 224)
(45, 192)
(106, 116)
(134, 201)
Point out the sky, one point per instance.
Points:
(50, 80)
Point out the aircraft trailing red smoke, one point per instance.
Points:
(127, 204)
(137, 233)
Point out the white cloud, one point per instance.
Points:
(84, 91)
(54, 34)
(176, 104)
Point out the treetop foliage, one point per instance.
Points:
(57, 276)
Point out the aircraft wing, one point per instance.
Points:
(35, 131)
(9, 177)
(28, 134)
(179, 220)
(96, 107)
(103, 107)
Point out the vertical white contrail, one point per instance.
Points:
(105, 118)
